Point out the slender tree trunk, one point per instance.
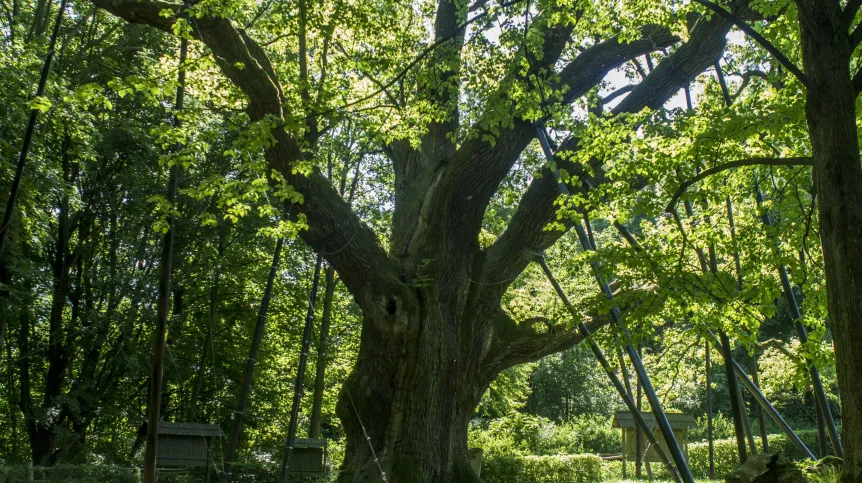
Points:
(58, 356)
(322, 347)
(26, 400)
(746, 423)
(259, 327)
(300, 372)
(154, 401)
(821, 430)
(639, 437)
(761, 418)
(802, 333)
(831, 114)
(211, 320)
(28, 134)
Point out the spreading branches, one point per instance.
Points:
(537, 208)
(772, 49)
(796, 161)
(478, 168)
(334, 229)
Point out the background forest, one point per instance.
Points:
(689, 244)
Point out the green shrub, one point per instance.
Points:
(594, 433)
(519, 434)
(539, 469)
(722, 428)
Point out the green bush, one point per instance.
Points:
(520, 434)
(538, 469)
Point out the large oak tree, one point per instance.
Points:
(434, 335)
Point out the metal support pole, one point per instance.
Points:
(618, 385)
(819, 392)
(761, 399)
(643, 377)
(750, 386)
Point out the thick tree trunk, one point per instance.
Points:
(409, 394)
(831, 115)
(419, 376)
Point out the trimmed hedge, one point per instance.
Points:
(76, 473)
(584, 468)
(726, 458)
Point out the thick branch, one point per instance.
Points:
(850, 11)
(703, 49)
(516, 343)
(479, 167)
(798, 161)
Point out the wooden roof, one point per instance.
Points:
(308, 443)
(624, 419)
(190, 429)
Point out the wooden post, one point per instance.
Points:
(625, 452)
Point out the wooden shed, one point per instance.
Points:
(308, 457)
(679, 423)
(185, 444)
